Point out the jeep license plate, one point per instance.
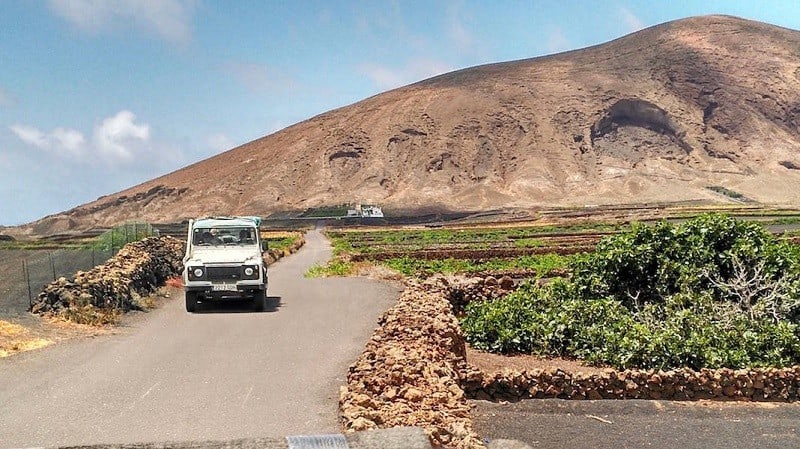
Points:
(224, 287)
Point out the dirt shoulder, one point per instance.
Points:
(27, 332)
(490, 363)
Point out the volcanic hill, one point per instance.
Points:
(659, 115)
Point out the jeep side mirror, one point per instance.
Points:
(264, 245)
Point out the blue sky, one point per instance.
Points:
(97, 96)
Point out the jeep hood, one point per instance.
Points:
(227, 254)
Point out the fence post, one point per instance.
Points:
(27, 275)
(126, 233)
(52, 265)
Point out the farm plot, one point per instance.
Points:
(518, 252)
(711, 291)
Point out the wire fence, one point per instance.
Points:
(25, 272)
(29, 271)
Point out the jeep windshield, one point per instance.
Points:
(224, 236)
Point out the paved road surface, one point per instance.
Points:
(223, 373)
(555, 423)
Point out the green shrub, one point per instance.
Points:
(334, 267)
(117, 237)
(711, 292)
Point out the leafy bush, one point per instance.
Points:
(711, 292)
(121, 235)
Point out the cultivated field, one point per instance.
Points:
(537, 253)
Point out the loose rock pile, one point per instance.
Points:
(411, 370)
(113, 287)
(761, 384)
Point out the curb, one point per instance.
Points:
(394, 438)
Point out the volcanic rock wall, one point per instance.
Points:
(113, 287)
(409, 374)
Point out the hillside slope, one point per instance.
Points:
(658, 115)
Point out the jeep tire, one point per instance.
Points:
(191, 301)
(259, 300)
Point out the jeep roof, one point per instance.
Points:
(216, 222)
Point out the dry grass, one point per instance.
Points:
(15, 338)
(279, 234)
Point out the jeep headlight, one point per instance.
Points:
(196, 273)
(250, 272)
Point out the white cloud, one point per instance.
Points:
(68, 139)
(30, 135)
(415, 70)
(116, 141)
(630, 19)
(557, 41)
(260, 78)
(168, 19)
(60, 141)
(116, 137)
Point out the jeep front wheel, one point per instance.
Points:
(191, 301)
(259, 300)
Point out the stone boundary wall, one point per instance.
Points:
(137, 269)
(767, 384)
(411, 371)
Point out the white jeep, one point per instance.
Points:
(224, 261)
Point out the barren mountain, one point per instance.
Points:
(656, 116)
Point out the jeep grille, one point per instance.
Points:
(224, 273)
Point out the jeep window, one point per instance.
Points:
(222, 236)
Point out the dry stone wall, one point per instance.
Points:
(411, 370)
(137, 269)
(762, 384)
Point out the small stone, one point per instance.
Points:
(412, 394)
(362, 423)
(390, 393)
(506, 283)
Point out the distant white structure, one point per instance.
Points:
(365, 211)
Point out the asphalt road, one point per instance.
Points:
(563, 424)
(222, 373)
